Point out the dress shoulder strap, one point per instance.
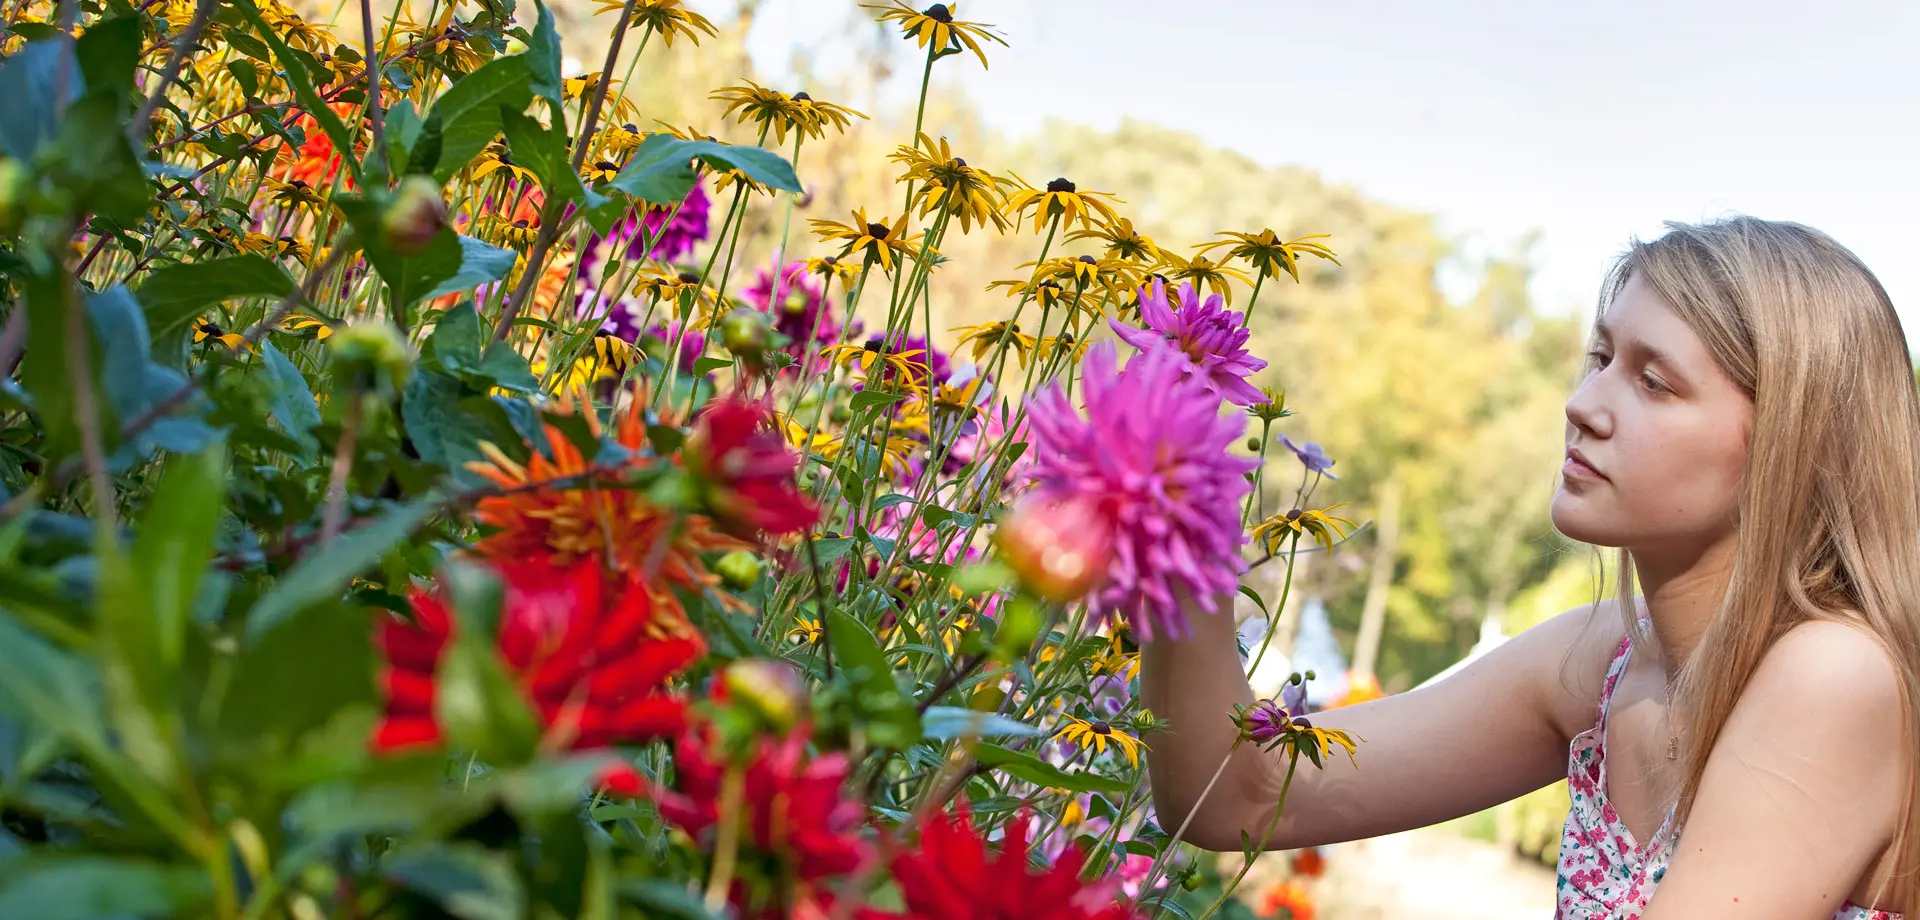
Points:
(1615, 668)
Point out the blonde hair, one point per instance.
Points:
(1829, 508)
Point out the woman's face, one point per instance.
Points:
(1656, 436)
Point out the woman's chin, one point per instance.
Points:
(1576, 519)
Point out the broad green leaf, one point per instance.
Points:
(945, 722)
(403, 126)
(44, 371)
(658, 897)
(709, 364)
(466, 881)
(867, 399)
(543, 56)
(73, 887)
(447, 420)
(27, 80)
(173, 543)
(108, 52)
(134, 382)
(829, 549)
(1032, 769)
(660, 170)
(175, 295)
(479, 263)
(455, 343)
(467, 116)
(544, 151)
(293, 404)
(503, 367)
(887, 501)
(325, 572)
(54, 689)
(297, 677)
(96, 163)
(891, 718)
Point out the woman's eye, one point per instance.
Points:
(1599, 358)
(1653, 383)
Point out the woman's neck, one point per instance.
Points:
(1682, 593)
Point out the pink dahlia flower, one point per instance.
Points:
(797, 305)
(1207, 333)
(1151, 453)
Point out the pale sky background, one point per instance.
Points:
(1589, 121)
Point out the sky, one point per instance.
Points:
(1590, 123)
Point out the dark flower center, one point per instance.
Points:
(960, 162)
(875, 344)
(1293, 515)
(298, 183)
(688, 278)
(520, 225)
(1101, 728)
(831, 260)
(211, 329)
(878, 231)
(1060, 185)
(938, 13)
(504, 158)
(802, 97)
(630, 128)
(1066, 338)
(607, 166)
(1089, 260)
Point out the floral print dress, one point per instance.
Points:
(1604, 873)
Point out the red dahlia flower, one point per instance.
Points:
(793, 813)
(953, 877)
(748, 469)
(592, 655)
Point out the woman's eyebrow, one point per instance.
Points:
(1647, 351)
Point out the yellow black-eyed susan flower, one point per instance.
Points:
(288, 247)
(946, 183)
(301, 324)
(822, 113)
(875, 240)
(830, 268)
(295, 31)
(936, 26)
(864, 357)
(1061, 198)
(258, 244)
(211, 332)
(1273, 408)
(988, 336)
(665, 18)
(1268, 254)
(607, 357)
(1063, 347)
(577, 88)
(294, 193)
(1318, 523)
(1204, 272)
(1098, 736)
(1115, 660)
(602, 171)
(807, 631)
(1046, 291)
(770, 109)
(1122, 241)
(622, 138)
(495, 158)
(520, 233)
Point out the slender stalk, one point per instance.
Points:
(726, 846)
(87, 415)
(373, 87)
(1247, 319)
(189, 36)
(330, 518)
(1286, 588)
(1279, 809)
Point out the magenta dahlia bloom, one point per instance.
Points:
(676, 240)
(797, 304)
(1207, 333)
(1152, 453)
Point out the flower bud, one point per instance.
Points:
(418, 214)
(1253, 444)
(772, 690)
(745, 333)
(15, 183)
(1060, 548)
(739, 569)
(373, 347)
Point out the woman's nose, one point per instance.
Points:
(1586, 408)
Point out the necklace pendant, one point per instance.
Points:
(1673, 748)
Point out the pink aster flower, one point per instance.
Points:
(796, 304)
(1152, 453)
(1207, 333)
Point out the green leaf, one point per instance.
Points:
(296, 678)
(543, 56)
(867, 399)
(830, 549)
(661, 168)
(325, 573)
(479, 263)
(1031, 769)
(891, 720)
(544, 151)
(455, 343)
(466, 881)
(666, 899)
(467, 116)
(403, 126)
(447, 419)
(49, 887)
(173, 542)
(505, 368)
(245, 75)
(27, 80)
(175, 295)
(293, 404)
(887, 501)
(54, 689)
(449, 263)
(945, 722)
(96, 162)
(709, 364)
(134, 382)
(294, 71)
(1254, 596)
(108, 52)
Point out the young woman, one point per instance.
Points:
(1740, 733)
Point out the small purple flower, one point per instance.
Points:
(1312, 456)
(1265, 722)
(1206, 333)
(1152, 451)
(1293, 697)
(627, 238)
(796, 303)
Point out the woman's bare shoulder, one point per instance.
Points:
(1570, 653)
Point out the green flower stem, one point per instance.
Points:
(1259, 474)
(726, 847)
(1247, 318)
(1273, 616)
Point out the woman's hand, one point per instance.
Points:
(1804, 787)
(1496, 730)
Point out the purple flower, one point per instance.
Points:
(627, 237)
(1293, 697)
(1206, 333)
(1152, 453)
(796, 303)
(1311, 455)
(658, 339)
(1265, 722)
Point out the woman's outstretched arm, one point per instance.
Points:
(1497, 729)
